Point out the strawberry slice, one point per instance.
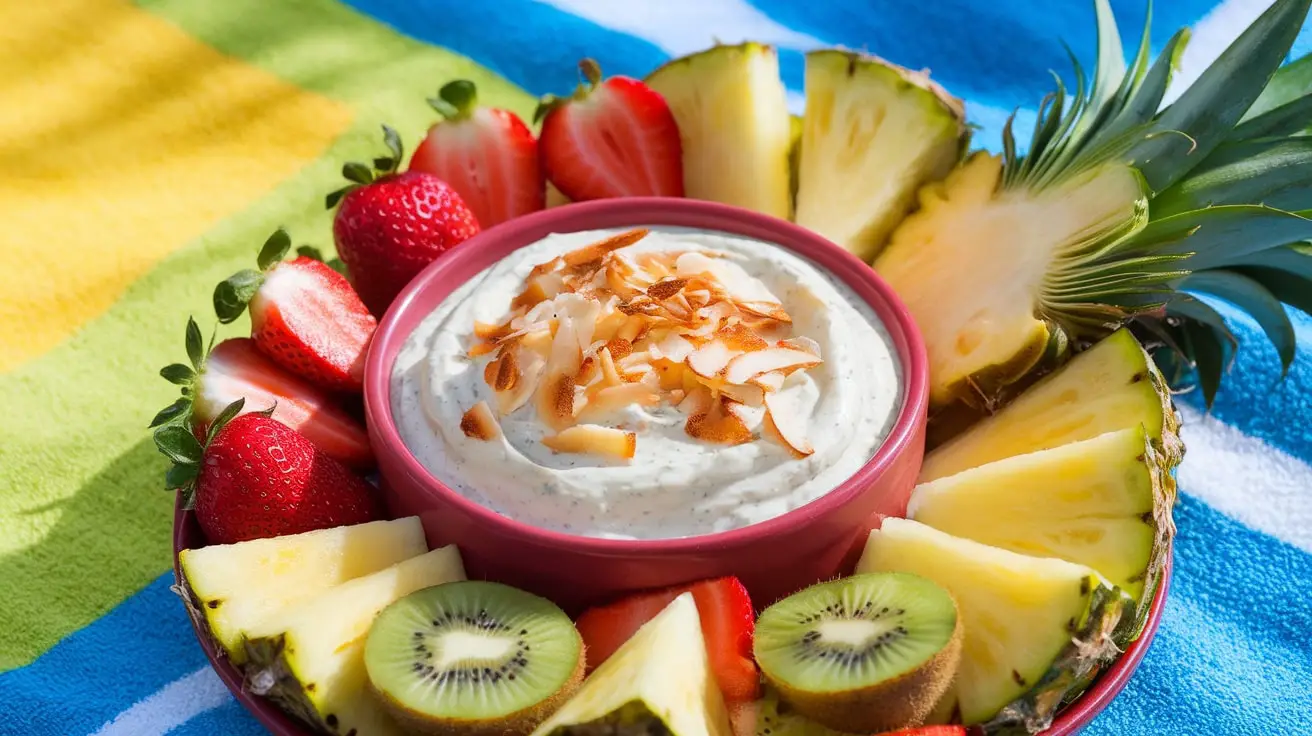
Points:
(611, 138)
(236, 369)
(727, 624)
(488, 155)
(304, 315)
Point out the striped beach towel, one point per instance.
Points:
(147, 146)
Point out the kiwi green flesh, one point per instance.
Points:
(631, 719)
(471, 652)
(853, 633)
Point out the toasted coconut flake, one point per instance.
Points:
(708, 360)
(491, 332)
(772, 381)
(739, 337)
(669, 375)
(666, 288)
(750, 365)
(609, 324)
(674, 347)
(556, 400)
(632, 359)
(615, 398)
(633, 327)
(595, 440)
(619, 348)
(747, 395)
(588, 371)
(737, 283)
(786, 424)
(765, 310)
(530, 297)
(602, 247)
(609, 372)
(696, 400)
(803, 343)
(530, 376)
(676, 396)
(638, 372)
(481, 348)
(720, 424)
(479, 423)
(547, 267)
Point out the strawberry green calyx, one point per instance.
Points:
(456, 100)
(313, 253)
(359, 174)
(590, 71)
(233, 293)
(180, 374)
(179, 444)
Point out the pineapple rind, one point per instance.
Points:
(873, 133)
(732, 111)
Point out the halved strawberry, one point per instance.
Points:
(235, 369)
(727, 624)
(612, 138)
(304, 315)
(488, 155)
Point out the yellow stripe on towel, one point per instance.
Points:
(121, 139)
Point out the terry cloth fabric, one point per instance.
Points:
(146, 148)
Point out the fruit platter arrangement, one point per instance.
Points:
(649, 383)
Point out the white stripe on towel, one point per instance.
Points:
(1248, 480)
(170, 706)
(681, 27)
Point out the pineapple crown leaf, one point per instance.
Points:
(1272, 171)
(1290, 82)
(233, 294)
(359, 174)
(1289, 119)
(456, 100)
(1253, 298)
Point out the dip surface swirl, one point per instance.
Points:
(674, 485)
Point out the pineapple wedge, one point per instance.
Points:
(232, 587)
(733, 119)
(1112, 385)
(1034, 627)
(1099, 503)
(309, 658)
(659, 681)
(873, 134)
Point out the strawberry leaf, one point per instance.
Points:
(384, 164)
(274, 249)
(178, 373)
(195, 344)
(337, 265)
(229, 412)
(333, 198)
(309, 251)
(181, 476)
(233, 294)
(456, 100)
(392, 140)
(178, 444)
(172, 412)
(357, 172)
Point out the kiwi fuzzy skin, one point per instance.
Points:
(520, 722)
(905, 701)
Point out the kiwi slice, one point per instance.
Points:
(868, 653)
(473, 658)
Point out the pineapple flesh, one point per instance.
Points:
(1112, 385)
(733, 120)
(1013, 260)
(659, 681)
(309, 658)
(233, 587)
(1096, 503)
(1034, 627)
(872, 134)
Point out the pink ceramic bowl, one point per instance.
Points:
(772, 558)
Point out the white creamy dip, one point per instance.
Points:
(674, 485)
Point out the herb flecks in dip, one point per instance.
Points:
(647, 385)
(595, 332)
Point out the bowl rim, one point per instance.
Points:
(907, 342)
(1069, 720)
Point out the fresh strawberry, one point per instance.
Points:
(727, 623)
(304, 315)
(253, 477)
(235, 369)
(612, 138)
(928, 731)
(489, 156)
(390, 226)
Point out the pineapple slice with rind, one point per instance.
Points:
(1099, 502)
(733, 119)
(1035, 628)
(232, 587)
(659, 681)
(309, 658)
(1112, 385)
(873, 133)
